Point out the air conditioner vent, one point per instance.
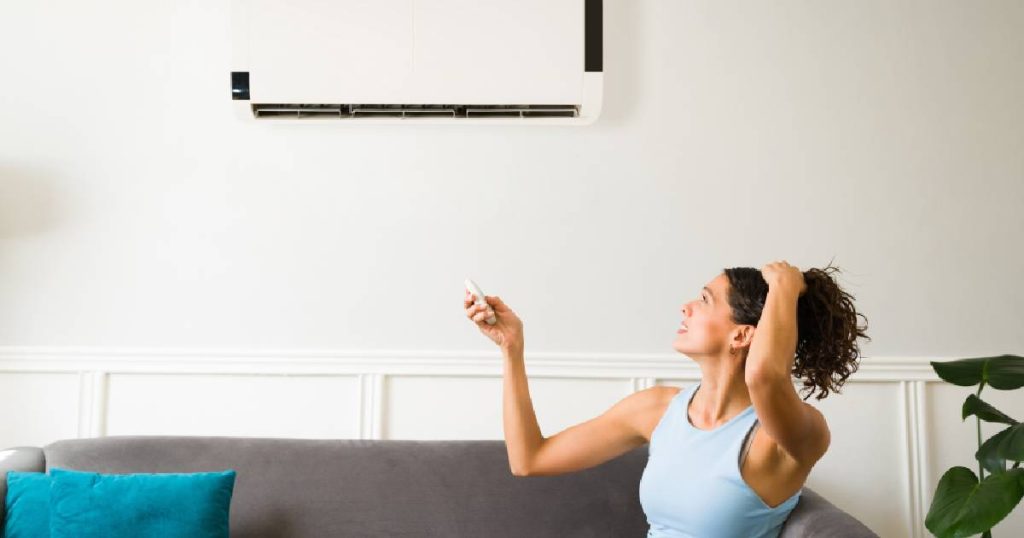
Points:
(334, 111)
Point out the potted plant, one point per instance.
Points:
(965, 503)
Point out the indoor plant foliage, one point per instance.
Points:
(965, 503)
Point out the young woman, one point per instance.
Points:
(729, 455)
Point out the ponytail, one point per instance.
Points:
(827, 351)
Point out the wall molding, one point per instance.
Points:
(915, 439)
(371, 403)
(645, 368)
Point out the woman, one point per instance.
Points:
(728, 455)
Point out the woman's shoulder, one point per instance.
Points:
(656, 402)
(653, 399)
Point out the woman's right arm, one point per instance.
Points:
(605, 437)
(523, 439)
(613, 433)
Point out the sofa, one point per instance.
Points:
(396, 488)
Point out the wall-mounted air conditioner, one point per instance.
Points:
(432, 61)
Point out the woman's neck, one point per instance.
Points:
(722, 395)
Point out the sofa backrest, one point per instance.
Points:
(324, 488)
(288, 487)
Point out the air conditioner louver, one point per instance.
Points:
(335, 111)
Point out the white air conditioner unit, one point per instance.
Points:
(430, 61)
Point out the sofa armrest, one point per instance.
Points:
(816, 517)
(22, 458)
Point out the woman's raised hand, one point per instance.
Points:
(783, 275)
(507, 332)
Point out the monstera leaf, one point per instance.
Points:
(988, 453)
(1005, 445)
(1005, 372)
(963, 507)
(983, 410)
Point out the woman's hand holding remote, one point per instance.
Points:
(507, 332)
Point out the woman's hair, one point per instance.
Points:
(827, 331)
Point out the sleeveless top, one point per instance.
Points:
(692, 486)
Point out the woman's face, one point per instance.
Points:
(707, 321)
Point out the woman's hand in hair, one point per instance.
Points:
(783, 276)
(507, 332)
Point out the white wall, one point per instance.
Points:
(137, 213)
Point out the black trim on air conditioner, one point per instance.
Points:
(593, 36)
(240, 85)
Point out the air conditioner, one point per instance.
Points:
(429, 61)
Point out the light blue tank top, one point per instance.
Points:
(692, 487)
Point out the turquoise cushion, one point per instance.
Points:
(27, 505)
(87, 505)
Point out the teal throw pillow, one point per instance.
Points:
(27, 505)
(164, 505)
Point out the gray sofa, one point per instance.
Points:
(325, 488)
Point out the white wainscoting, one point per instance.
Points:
(895, 427)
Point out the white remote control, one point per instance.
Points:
(475, 290)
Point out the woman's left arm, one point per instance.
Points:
(796, 426)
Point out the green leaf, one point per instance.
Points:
(992, 500)
(1012, 446)
(1006, 372)
(988, 453)
(950, 496)
(976, 406)
(964, 507)
(1005, 445)
(963, 372)
(1003, 372)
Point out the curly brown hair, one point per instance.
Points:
(826, 351)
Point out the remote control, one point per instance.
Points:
(475, 290)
